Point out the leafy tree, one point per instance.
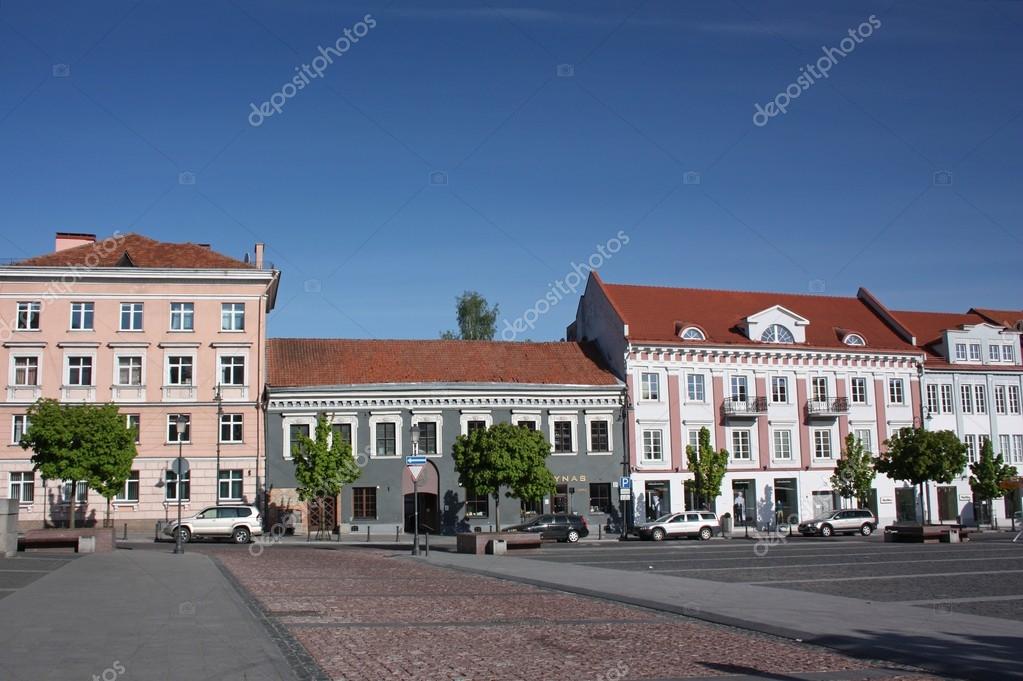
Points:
(476, 319)
(323, 465)
(989, 472)
(504, 455)
(708, 467)
(854, 472)
(918, 456)
(80, 442)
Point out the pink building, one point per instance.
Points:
(160, 329)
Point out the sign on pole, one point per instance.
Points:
(415, 466)
(625, 483)
(179, 463)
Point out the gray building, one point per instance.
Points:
(374, 392)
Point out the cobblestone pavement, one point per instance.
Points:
(372, 614)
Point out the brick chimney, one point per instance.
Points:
(66, 240)
(260, 247)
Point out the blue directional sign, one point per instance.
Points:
(415, 460)
(626, 483)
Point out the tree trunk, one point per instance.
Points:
(71, 505)
(497, 509)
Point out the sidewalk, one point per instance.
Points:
(963, 646)
(143, 615)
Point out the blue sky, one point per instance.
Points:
(540, 168)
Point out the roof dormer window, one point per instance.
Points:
(776, 333)
(854, 339)
(692, 333)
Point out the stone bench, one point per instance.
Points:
(478, 542)
(101, 539)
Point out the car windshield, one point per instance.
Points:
(665, 518)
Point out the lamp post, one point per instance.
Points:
(180, 423)
(220, 426)
(626, 505)
(415, 494)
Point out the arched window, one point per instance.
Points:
(776, 333)
(854, 339)
(693, 333)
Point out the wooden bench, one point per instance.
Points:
(67, 539)
(477, 542)
(925, 534)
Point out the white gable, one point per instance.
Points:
(757, 323)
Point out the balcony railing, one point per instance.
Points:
(835, 407)
(734, 406)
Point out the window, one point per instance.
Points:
(81, 492)
(79, 371)
(1000, 399)
(822, 444)
(819, 388)
(981, 399)
(864, 438)
(232, 316)
(947, 406)
(600, 436)
(859, 390)
(600, 497)
(427, 437)
(172, 428)
(232, 428)
(740, 390)
(932, 399)
(26, 371)
(783, 445)
(82, 316)
(961, 352)
(28, 316)
(896, 394)
(779, 389)
(22, 486)
(182, 317)
(343, 431)
(695, 388)
(473, 426)
(129, 371)
(297, 431)
(387, 439)
(19, 426)
(563, 437)
(179, 370)
(1005, 447)
(230, 485)
(1008, 353)
(476, 505)
(974, 352)
(741, 448)
(232, 370)
(652, 450)
(131, 489)
(1013, 399)
(1017, 448)
(651, 386)
(966, 396)
(131, 316)
(994, 353)
(854, 339)
(694, 439)
(776, 333)
(364, 503)
(133, 422)
(171, 486)
(693, 333)
(529, 425)
(971, 448)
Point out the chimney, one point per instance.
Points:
(259, 255)
(66, 240)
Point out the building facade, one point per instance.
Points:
(373, 392)
(161, 330)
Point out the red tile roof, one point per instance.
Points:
(928, 328)
(135, 250)
(296, 362)
(1008, 318)
(655, 314)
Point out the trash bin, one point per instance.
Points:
(726, 524)
(497, 547)
(953, 535)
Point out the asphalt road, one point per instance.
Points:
(980, 577)
(17, 573)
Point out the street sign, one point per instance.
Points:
(415, 466)
(179, 463)
(624, 494)
(626, 483)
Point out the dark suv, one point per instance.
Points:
(561, 526)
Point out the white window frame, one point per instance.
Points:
(775, 452)
(994, 352)
(91, 356)
(853, 382)
(434, 417)
(966, 398)
(220, 369)
(701, 384)
(83, 305)
(647, 395)
(233, 315)
(961, 354)
(295, 420)
(138, 425)
(130, 308)
(819, 436)
(25, 479)
(607, 417)
(142, 369)
(948, 398)
(976, 352)
(815, 382)
(485, 416)
(18, 422)
(171, 425)
(352, 420)
(933, 401)
(1009, 353)
(748, 432)
(781, 382)
(32, 311)
(901, 384)
(972, 452)
(399, 434)
(1017, 449)
(1005, 447)
(185, 312)
(658, 441)
(518, 416)
(553, 418)
(868, 443)
(1001, 405)
(232, 423)
(736, 380)
(177, 352)
(124, 498)
(980, 398)
(1013, 399)
(14, 369)
(81, 497)
(227, 475)
(186, 478)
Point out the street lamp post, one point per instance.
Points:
(220, 426)
(415, 494)
(180, 423)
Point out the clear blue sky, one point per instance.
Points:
(836, 193)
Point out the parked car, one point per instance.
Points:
(566, 527)
(702, 524)
(240, 523)
(847, 521)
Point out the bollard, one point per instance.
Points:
(156, 531)
(600, 529)
(125, 537)
(367, 533)
(397, 528)
(427, 543)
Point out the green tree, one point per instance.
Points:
(854, 472)
(918, 456)
(476, 319)
(323, 466)
(989, 473)
(504, 455)
(80, 442)
(708, 467)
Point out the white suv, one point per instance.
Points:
(240, 523)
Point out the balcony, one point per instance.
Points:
(836, 407)
(753, 406)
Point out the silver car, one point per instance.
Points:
(702, 524)
(846, 521)
(239, 523)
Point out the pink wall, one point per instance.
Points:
(882, 422)
(763, 434)
(718, 383)
(843, 419)
(678, 458)
(804, 430)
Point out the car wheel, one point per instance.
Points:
(706, 533)
(185, 534)
(573, 536)
(826, 531)
(241, 535)
(657, 534)
(867, 529)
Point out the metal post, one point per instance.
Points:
(415, 516)
(427, 535)
(367, 533)
(220, 416)
(178, 546)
